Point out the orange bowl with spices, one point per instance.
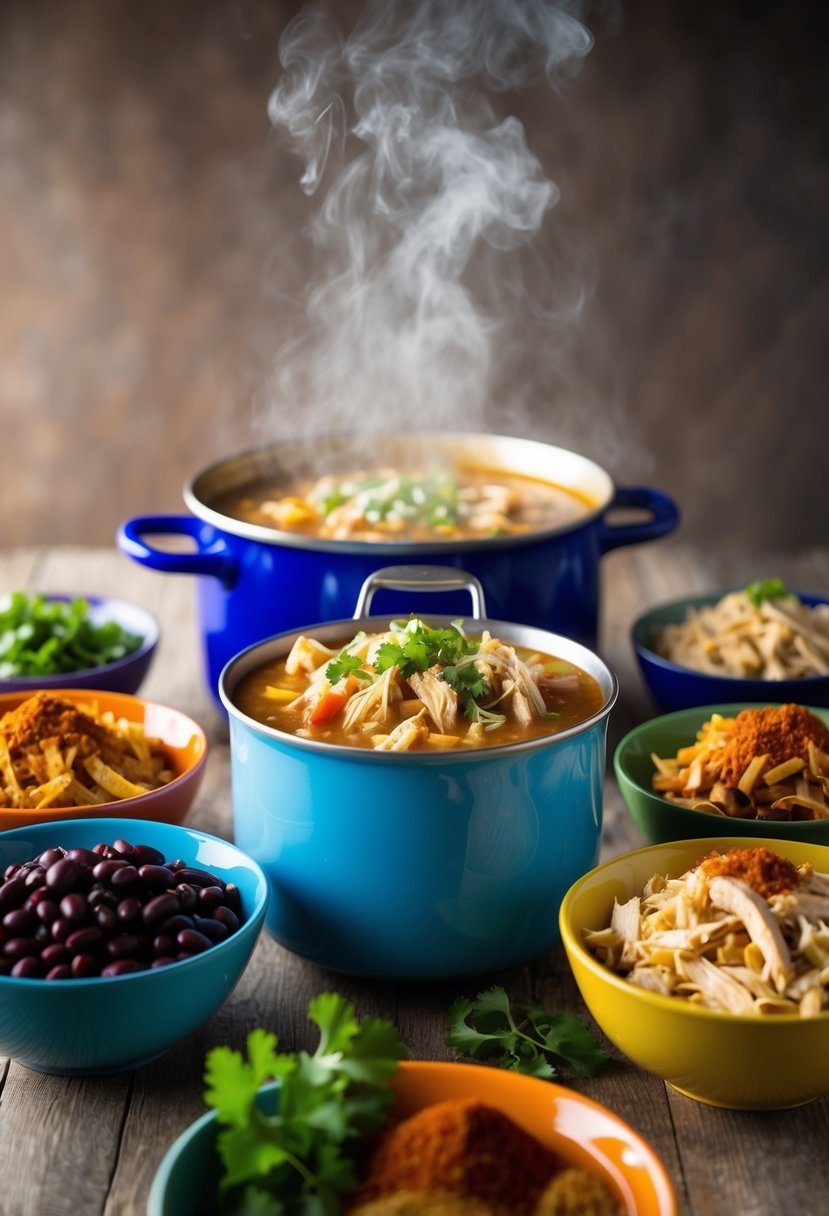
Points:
(732, 769)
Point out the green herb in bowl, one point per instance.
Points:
(40, 636)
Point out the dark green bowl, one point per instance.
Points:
(660, 820)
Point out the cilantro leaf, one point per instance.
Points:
(297, 1161)
(530, 1040)
(766, 589)
(345, 664)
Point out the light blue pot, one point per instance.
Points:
(417, 865)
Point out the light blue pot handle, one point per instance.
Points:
(213, 559)
(664, 512)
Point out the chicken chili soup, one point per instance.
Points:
(417, 687)
(391, 503)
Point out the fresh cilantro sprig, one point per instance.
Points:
(530, 1040)
(297, 1161)
(346, 664)
(419, 647)
(40, 636)
(766, 589)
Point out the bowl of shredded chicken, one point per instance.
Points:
(762, 642)
(706, 962)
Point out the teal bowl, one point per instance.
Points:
(97, 1026)
(661, 820)
(673, 686)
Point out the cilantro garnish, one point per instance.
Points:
(297, 1161)
(40, 637)
(487, 1029)
(419, 647)
(346, 664)
(766, 589)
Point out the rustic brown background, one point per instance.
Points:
(146, 208)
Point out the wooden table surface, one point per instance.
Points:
(91, 1147)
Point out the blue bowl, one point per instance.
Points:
(89, 1027)
(124, 675)
(673, 686)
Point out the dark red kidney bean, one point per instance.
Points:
(54, 954)
(19, 947)
(227, 917)
(85, 856)
(100, 849)
(105, 869)
(43, 934)
(161, 907)
(122, 966)
(60, 929)
(192, 941)
(129, 909)
(12, 870)
(34, 898)
(178, 864)
(61, 971)
(146, 855)
(74, 906)
(63, 875)
(156, 876)
(35, 877)
(28, 968)
(84, 965)
(47, 910)
(13, 893)
(164, 943)
(123, 847)
(198, 878)
(176, 923)
(84, 941)
(101, 896)
(49, 856)
(124, 878)
(188, 896)
(123, 945)
(212, 929)
(20, 922)
(182, 954)
(211, 897)
(163, 960)
(233, 899)
(106, 919)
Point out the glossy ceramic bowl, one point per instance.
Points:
(724, 1059)
(580, 1131)
(661, 820)
(418, 864)
(124, 675)
(184, 742)
(87, 1027)
(673, 686)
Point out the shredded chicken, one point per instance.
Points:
(440, 700)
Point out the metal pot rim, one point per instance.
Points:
(194, 497)
(247, 659)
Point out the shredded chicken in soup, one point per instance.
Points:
(410, 505)
(416, 687)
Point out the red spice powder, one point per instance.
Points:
(783, 733)
(466, 1148)
(760, 868)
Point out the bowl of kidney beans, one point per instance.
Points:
(118, 937)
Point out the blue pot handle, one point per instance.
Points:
(665, 519)
(213, 559)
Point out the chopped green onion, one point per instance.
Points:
(42, 637)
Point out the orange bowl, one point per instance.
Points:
(580, 1131)
(184, 743)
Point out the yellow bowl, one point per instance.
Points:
(184, 743)
(724, 1059)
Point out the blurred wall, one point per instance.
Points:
(146, 210)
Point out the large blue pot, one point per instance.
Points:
(417, 864)
(255, 581)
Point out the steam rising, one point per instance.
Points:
(430, 286)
